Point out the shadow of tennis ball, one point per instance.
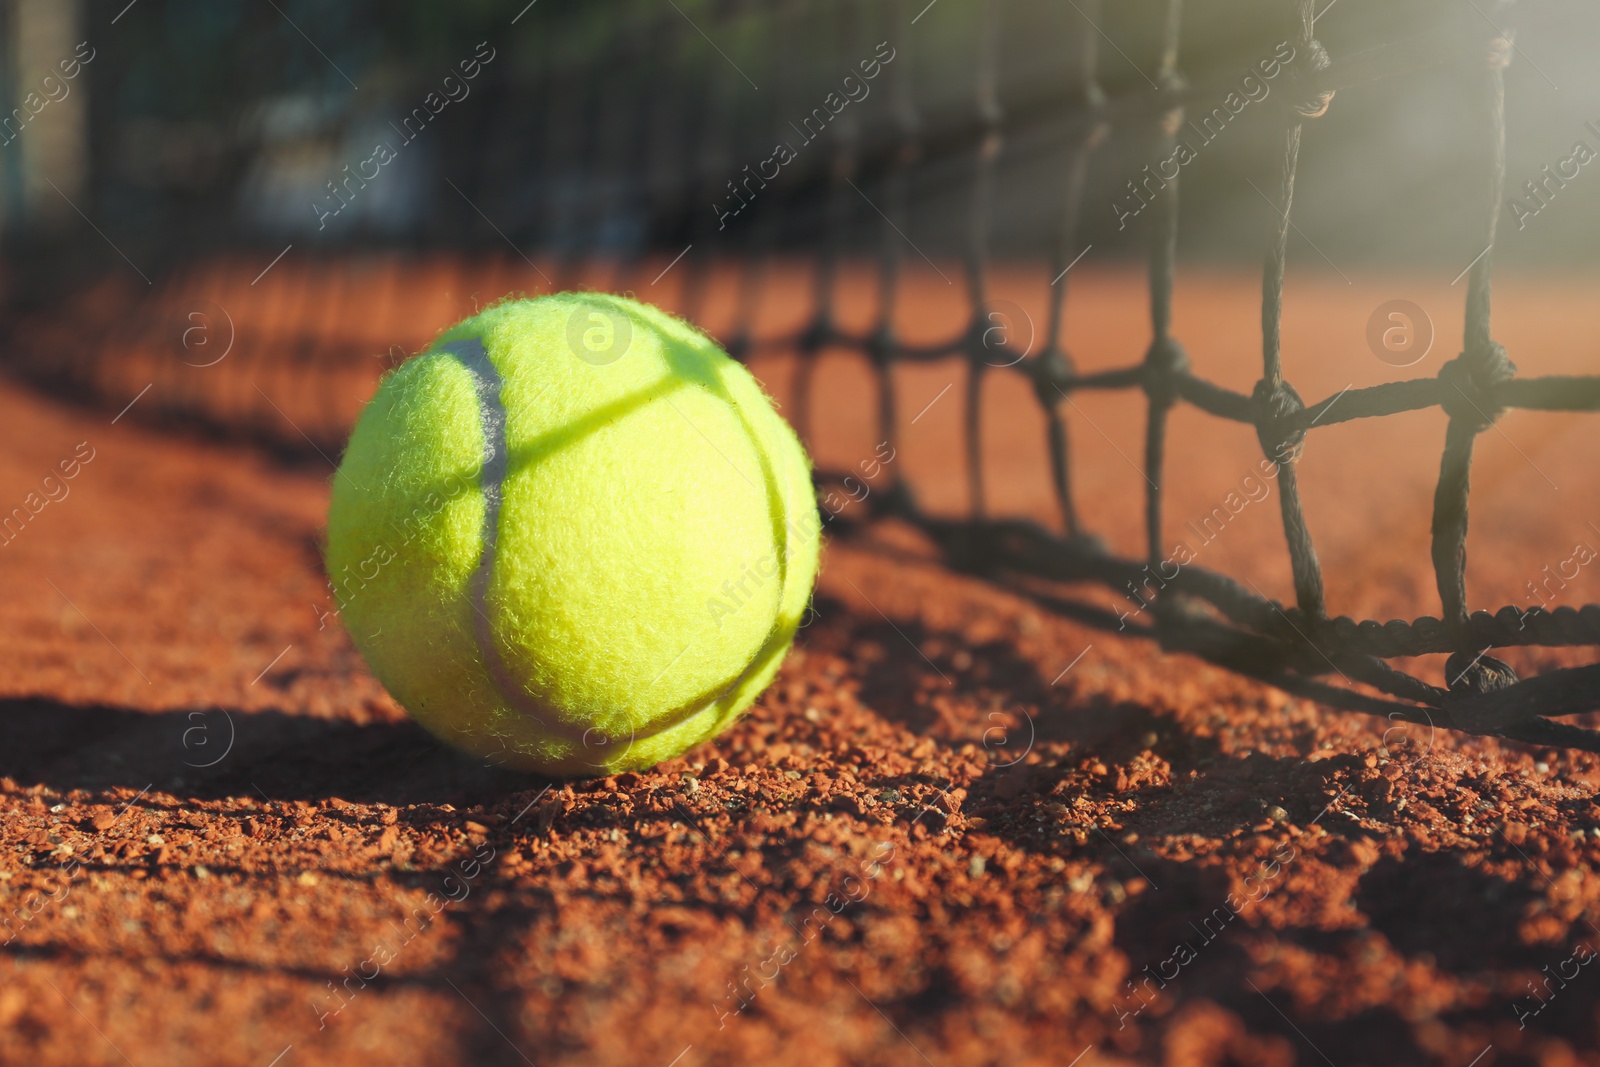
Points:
(208, 748)
(1400, 333)
(598, 335)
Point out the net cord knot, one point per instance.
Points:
(1165, 361)
(1469, 383)
(1052, 371)
(1316, 103)
(880, 345)
(1470, 673)
(816, 334)
(1276, 403)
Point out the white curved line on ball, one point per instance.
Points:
(486, 383)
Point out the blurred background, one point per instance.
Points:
(231, 216)
(198, 125)
(148, 138)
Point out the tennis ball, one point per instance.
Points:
(573, 536)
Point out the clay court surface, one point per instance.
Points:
(959, 829)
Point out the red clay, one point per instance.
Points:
(221, 842)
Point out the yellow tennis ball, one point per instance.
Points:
(573, 536)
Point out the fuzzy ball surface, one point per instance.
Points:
(573, 536)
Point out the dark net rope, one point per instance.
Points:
(678, 150)
(1254, 634)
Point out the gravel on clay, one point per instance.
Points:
(957, 830)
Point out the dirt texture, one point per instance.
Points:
(958, 829)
